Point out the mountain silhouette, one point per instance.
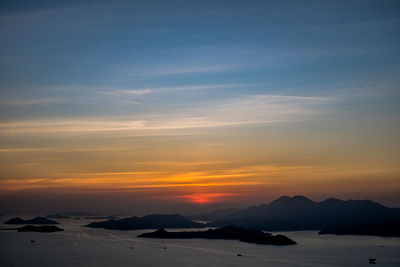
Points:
(154, 221)
(300, 213)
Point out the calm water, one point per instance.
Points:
(96, 247)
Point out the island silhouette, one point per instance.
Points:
(40, 229)
(227, 232)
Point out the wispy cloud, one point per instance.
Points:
(145, 91)
(62, 149)
(31, 101)
(187, 69)
(69, 126)
(23, 149)
(256, 109)
(129, 73)
(133, 92)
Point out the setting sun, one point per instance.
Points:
(205, 198)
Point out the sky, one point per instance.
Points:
(185, 106)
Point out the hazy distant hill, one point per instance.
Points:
(214, 215)
(36, 220)
(155, 221)
(301, 213)
(81, 215)
(70, 215)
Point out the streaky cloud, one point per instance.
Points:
(242, 111)
(152, 90)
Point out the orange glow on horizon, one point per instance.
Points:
(135, 180)
(205, 198)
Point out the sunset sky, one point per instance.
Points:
(184, 106)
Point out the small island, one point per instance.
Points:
(228, 232)
(386, 229)
(36, 220)
(40, 229)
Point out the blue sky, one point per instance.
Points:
(99, 58)
(323, 72)
(271, 45)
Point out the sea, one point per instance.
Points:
(82, 246)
